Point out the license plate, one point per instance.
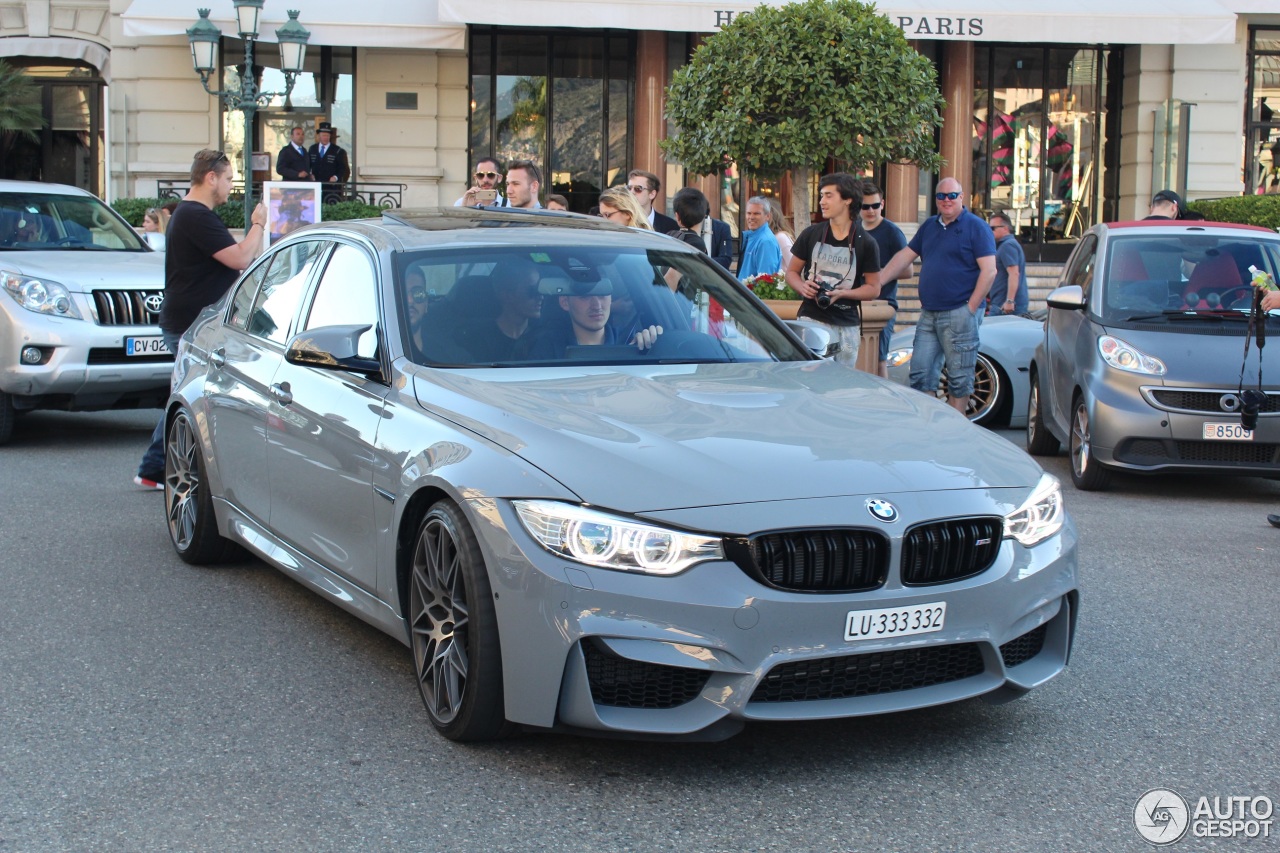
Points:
(894, 621)
(152, 345)
(1226, 431)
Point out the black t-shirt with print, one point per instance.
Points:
(192, 278)
(838, 262)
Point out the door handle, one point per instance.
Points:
(218, 358)
(280, 393)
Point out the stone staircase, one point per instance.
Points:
(1041, 278)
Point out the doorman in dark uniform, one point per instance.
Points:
(329, 162)
(293, 163)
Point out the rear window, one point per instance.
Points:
(40, 222)
(534, 306)
(1179, 273)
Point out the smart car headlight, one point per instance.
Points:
(39, 295)
(1040, 515)
(612, 542)
(1124, 356)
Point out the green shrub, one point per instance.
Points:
(1263, 210)
(344, 210)
(133, 209)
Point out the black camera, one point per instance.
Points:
(1251, 401)
(823, 298)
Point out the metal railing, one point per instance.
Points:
(384, 195)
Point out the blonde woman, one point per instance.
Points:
(619, 206)
(155, 222)
(782, 231)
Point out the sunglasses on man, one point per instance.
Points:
(875, 206)
(946, 196)
(480, 176)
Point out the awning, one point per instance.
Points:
(60, 48)
(1076, 22)
(331, 22)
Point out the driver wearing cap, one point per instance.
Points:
(587, 304)
(1165, 204)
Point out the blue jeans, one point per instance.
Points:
(153, 459)
(949, 337)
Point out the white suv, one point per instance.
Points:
(80, 297)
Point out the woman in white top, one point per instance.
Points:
(154, 224)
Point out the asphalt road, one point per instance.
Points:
(147, 705)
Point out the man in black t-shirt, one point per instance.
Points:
(835, 265)
(202, 260)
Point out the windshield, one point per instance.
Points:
(40, 222)
(605, 304)
(1184, 275)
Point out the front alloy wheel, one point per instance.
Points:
(193, 529)
(454, 629)
(1086, 472)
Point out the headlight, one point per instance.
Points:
(611, 542)
(1122, 356)
(39, 295)
(1040, 515)
(898, 357)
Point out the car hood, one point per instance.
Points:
(84, 271)
(672, 436)
(1196, 359)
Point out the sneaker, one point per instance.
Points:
(149, 481)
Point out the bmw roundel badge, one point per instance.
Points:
(882, 510)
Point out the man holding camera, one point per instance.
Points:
(488, 174)
(835, 265)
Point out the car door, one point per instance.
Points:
(1065, 328)
(242, 365)
(322, 462)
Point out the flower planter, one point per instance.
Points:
(785, 308)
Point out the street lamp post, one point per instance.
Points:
(204, 37)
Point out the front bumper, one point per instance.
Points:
(84, 365)
(1132, 430)
(697, 655)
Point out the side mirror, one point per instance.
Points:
(1070, 297)
(332, 348)
(815, 338)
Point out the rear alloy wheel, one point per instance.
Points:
(986, 401)
(1086, 472)
(7, 416)
(193, 529)
(1040, 442)
(454, 629)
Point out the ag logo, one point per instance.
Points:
(1161, 816)
(882, 510)
(153, 303)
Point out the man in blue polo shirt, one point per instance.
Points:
(958, 265)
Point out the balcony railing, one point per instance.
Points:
(387, 196)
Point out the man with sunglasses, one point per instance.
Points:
(203, 260)
(644, 186)
(958, 265)
(891, 240)
(488, 173)
(1009, 292)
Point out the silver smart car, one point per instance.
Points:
(596, 486)
(1152, 353)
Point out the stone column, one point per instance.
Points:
(651, 124)
(902, 193)
(957, 118)
(875, 315)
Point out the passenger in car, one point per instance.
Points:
(514, 285)
(587, 305)
(427, 344)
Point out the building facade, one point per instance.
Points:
(1062, 118)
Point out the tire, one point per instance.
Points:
(454, 629)
(989, 390)
(193, 528)
(1040, 442)
(7, 416)
(1086, 472)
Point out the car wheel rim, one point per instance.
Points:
(1033, 412)
(1080, 441)
(986, 389)
(440, 621)
(181, 483)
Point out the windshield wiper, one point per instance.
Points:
(1189, 315)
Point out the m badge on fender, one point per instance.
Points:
(882, 510)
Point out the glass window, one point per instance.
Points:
(282, 290)
(242, 299)
(1262, 135)
(529, 306)
(347, 295)
(40, 221)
